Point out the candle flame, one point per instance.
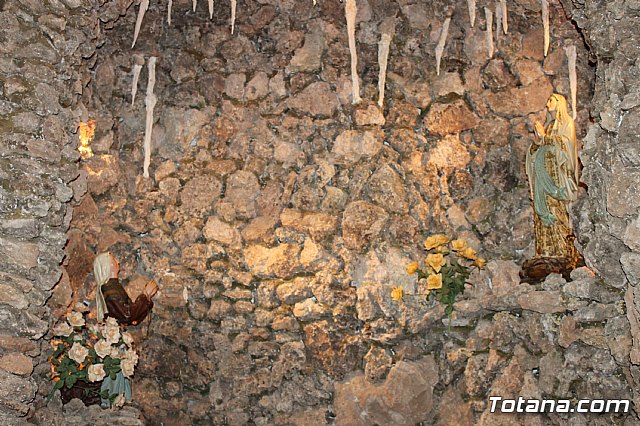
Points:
(86, 133)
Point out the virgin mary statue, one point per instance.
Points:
(553, 171)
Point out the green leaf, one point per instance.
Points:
(59, 384)
(70, 381)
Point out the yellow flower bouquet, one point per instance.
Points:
(447, 267)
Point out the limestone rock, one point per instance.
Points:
(308, 310)
(242, 191)
(308, 57)
(353, 145)
(281, 261)
(16, 363)
(545, 302)
(387, 190)
(216, 230)
(370, 115)
(521, 100)
(318, 225)
(200, 193)
(294, 291)
(317, 99)
(361, 224)
(234, 86)
(103, 173)
(405, 398)
(444, 119)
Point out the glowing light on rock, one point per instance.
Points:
(210, 9)
(86, 132)
(169, 7)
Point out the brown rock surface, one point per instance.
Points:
(405, 398)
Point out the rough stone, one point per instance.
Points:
(405, 398)
(317, 99)
(281, 261)
(361, 224)
(521, 100)
(444, 119)
(352, 145)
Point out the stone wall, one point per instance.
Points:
(608, 223)
(278, 217)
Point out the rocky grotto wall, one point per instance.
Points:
(278, 215)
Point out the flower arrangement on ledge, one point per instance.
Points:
(447, 267)
(88, 355)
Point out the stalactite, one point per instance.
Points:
(138, 62)
(194, 4)
(210, 9)
(233, 15)
(150, 103)
(350, 10)
(498, 19)
(169, 12)
(144, 5)
(441, 43)
(472, 11)
(387, 28)
(505, 14)
(573, 80)
(545, 24)
(489, 17)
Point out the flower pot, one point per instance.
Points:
(87, 392)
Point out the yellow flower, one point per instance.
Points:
(412, 268)
(434, 282)
(458, 245)
(480, 262)
(435, 241)
(469, 253)
(435, 261)
(397, 293)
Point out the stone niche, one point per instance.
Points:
(278, 215)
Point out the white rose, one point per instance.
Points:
(102, 348)
(96, 372)
(75, 319)
(128, 338)
(130, 355)
(112, 322)
(119, 401)
(127, 366)
(94, 328)
(115, 353)
(111, 334)
(78, 353)
(62, 329)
